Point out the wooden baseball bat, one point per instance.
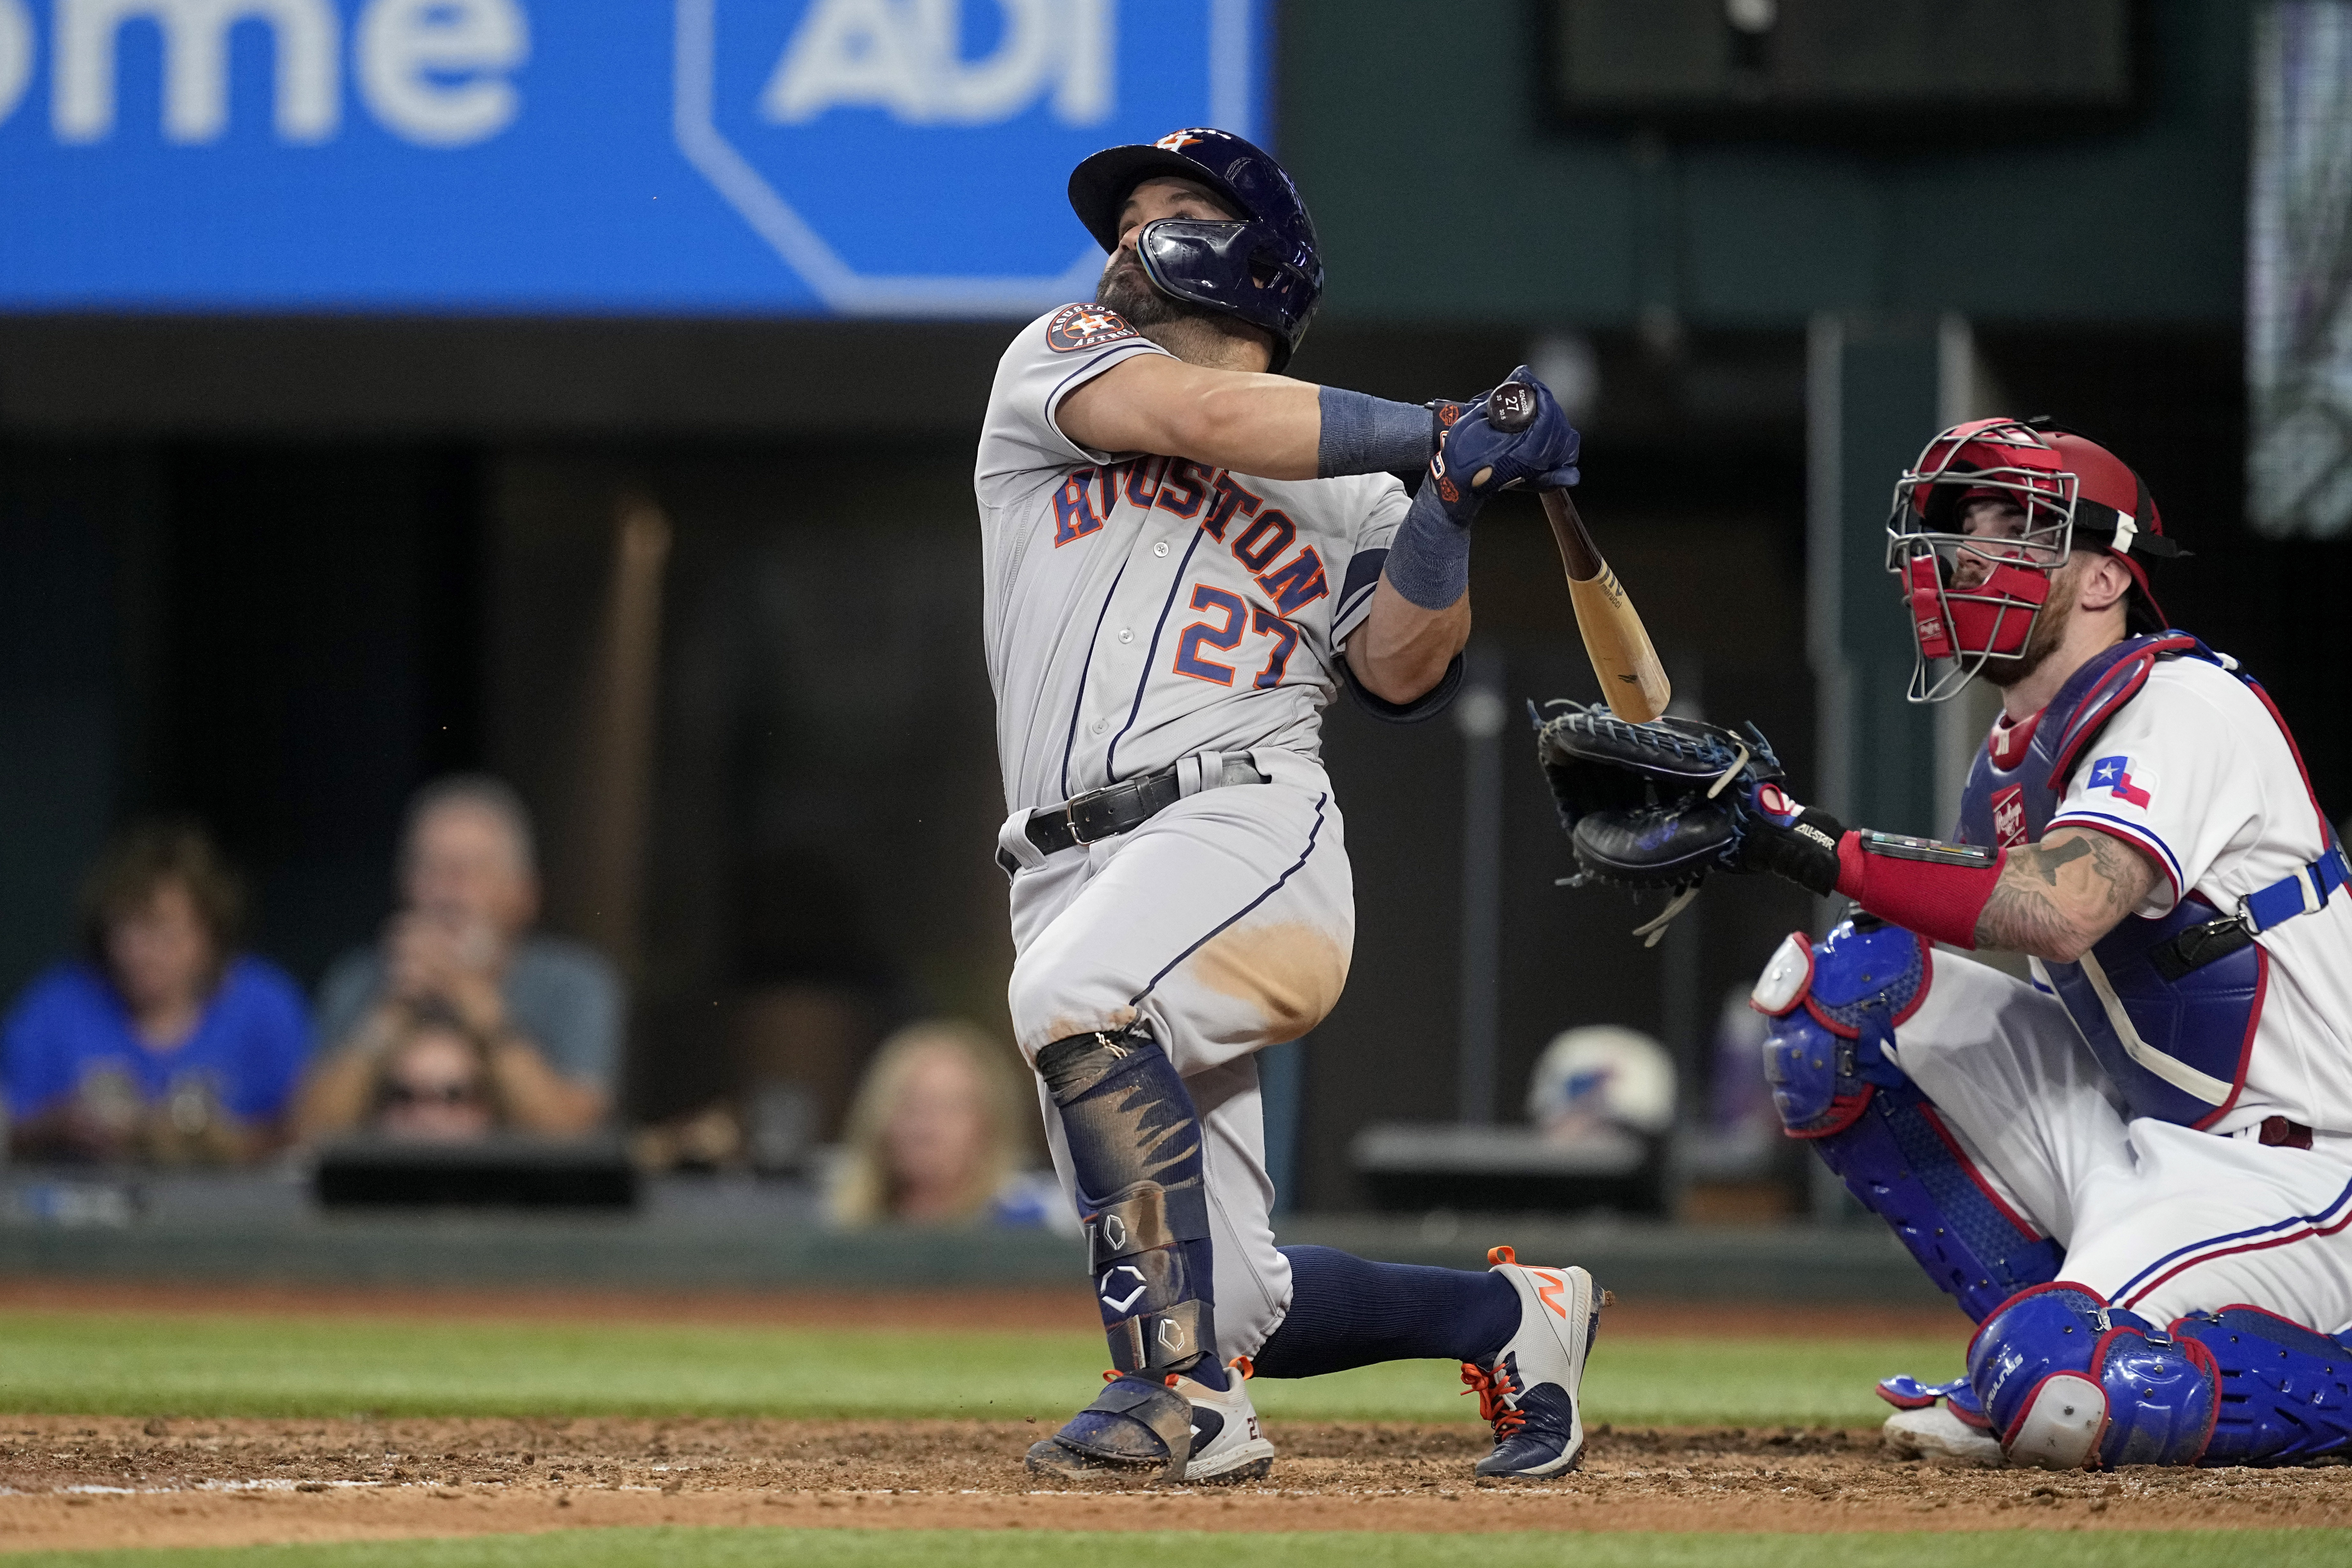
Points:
(1632, 679)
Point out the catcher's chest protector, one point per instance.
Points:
(2167, 1005)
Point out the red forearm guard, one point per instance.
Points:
(1935, 890)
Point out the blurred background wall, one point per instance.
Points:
(699, 572)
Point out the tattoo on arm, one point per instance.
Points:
(2041, 907)
(2046, 861)
(2021, 919)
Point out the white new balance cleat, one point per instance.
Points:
(1227, 1444)
(1934, 1433)
(1529, 1392)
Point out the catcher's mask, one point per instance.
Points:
(1974, 598)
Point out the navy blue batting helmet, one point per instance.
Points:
(1264, 268)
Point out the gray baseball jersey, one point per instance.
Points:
(1142, 608)
(1144, 612)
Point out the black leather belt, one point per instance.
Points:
(1121, 807)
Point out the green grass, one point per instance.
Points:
(684, 1548)
(1649, 1383)
(135, 1365)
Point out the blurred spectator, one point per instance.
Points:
(162, 1042)
(935, 1137)
(434, 1083)
(547, 1011)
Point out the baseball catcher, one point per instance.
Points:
(1188, 555)
(2134, 1173)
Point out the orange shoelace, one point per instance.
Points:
(1240, 1363)
(1493, 1388)
(1112, 1375)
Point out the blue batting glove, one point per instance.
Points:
(1475, 460)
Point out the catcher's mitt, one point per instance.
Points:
(1651, 805)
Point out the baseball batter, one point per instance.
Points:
(1187, 556)
(2135, 1170)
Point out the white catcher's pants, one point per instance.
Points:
(1225, 924)
(2156, 1217)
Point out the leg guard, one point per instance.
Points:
(2070, 1382)
(1135, 1423)
(1834, 1007)
(2286, 1391)
(1135, 1146)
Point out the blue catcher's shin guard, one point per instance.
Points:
(2070, 1382)
(1835, 1006)
(2286, 1391)
(1135, 1146)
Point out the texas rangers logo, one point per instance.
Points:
(2114, 774)
(2009, 817)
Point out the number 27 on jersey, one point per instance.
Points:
(1225, 635)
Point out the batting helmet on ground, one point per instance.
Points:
(1262, 268)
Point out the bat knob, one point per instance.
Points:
(1511, 407)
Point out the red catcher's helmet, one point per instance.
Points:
(1973, 598)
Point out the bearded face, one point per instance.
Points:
(1129, 290)
(2049, 629)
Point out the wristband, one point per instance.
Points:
(1429, 560)
(1935, 890)
(1799, 842)
(1366, 435)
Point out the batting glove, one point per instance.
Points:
(1475, 460)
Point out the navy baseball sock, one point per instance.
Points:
(1350, 1311)
(1135, 1147)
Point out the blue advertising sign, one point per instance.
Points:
(859, 157)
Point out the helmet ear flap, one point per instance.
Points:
(1238, 268)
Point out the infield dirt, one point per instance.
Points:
(85, 1482)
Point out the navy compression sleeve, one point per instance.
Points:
(1366, 435)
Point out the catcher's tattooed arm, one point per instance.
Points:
(2056, 897)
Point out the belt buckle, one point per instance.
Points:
(1070, 813)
